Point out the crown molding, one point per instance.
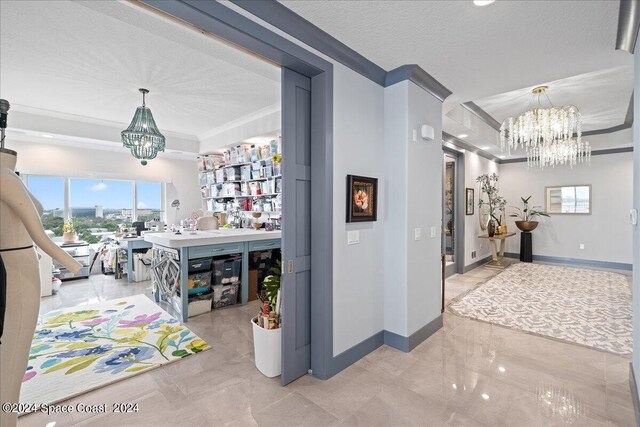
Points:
(420, 77)
(296, 26)
(271, 109)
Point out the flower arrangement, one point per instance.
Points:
(277, 158)
(68, 227)
(495, 203)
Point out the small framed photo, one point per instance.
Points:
(362, 199)
(469, 199)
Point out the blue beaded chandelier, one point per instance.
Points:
(142, 136)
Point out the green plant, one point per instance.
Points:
(495, 202)
(271, 284)
(527, 213)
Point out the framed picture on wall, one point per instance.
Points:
(362, 199)
(469, 199)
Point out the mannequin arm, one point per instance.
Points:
(16, 196)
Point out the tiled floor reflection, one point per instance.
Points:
(468, 374)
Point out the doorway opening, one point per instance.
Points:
(297, 125)
(449, 214)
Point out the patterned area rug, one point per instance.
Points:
(587, 307)
(82, 348)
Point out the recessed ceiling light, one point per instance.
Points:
(501, 369)
(485, 396)
(482, 2)
(485, 148)
(46, 135)
(463, 135)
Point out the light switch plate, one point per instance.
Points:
(434, 232)
(581, 245)
(417, 234)
(353, 237)
(415, 135)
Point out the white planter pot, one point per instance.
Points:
(267, 346)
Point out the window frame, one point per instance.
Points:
(67, 192)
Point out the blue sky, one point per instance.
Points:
(90, 192)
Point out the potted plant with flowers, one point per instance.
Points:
(527, 215)
(495, 203)
(267, 332)
(68, 232)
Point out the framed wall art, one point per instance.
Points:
(469, 201)
(362, 199)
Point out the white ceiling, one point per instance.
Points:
(88, 59)
(493, 54)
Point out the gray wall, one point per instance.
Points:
(636, 229)
(606, 233)
(358, 140)
(412, 291)
(396, 133)
(424, 210)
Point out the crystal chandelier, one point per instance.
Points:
(547, 134)
(142, 136)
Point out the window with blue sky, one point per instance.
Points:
(49, 190)
(96, 205)
(149, 200)
(101, 198)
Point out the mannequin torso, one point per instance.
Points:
(20, 227)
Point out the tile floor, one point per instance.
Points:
(468, 374)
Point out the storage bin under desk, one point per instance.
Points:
(194, 252)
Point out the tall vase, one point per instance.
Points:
(491, 228)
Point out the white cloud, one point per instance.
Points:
(98, 187)
(142, 205)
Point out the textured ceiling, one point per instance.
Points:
(476, 51)
(493, 55)
(88, 59)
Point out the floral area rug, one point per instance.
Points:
(588, 307)
(82, 348)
